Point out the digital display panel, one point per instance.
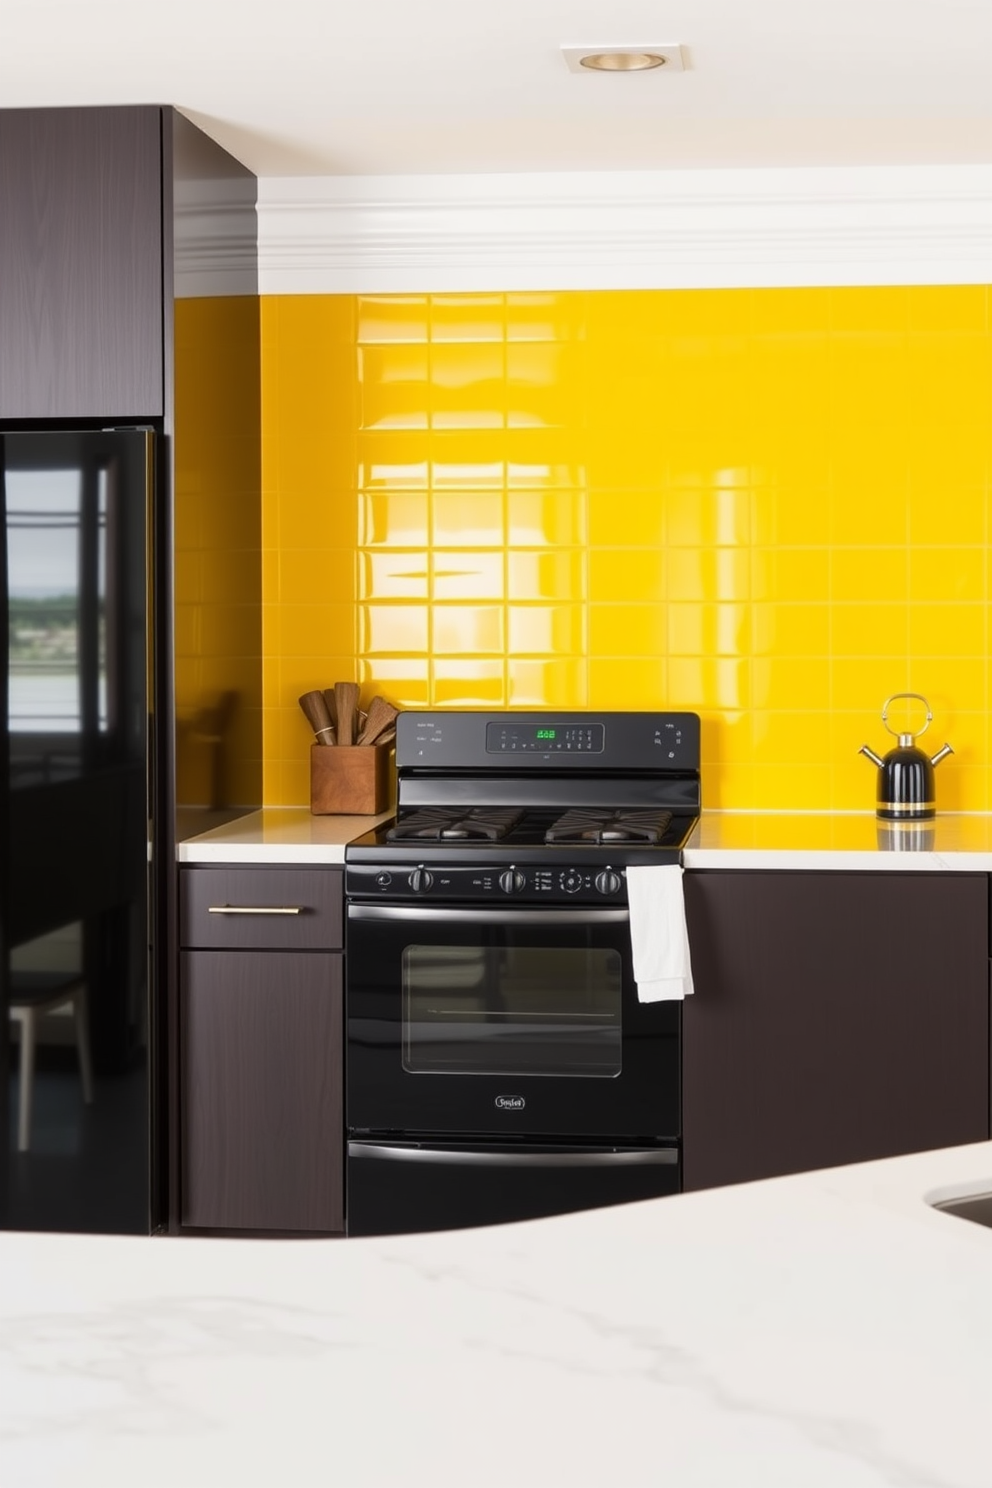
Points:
(539, 738)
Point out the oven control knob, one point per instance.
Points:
(608, 882)
(571, 881)
(512, 881)
(420, 880)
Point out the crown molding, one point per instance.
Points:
(625, 230)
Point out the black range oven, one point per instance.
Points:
(499, 1064)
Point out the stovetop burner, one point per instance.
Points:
(610, 826)
(456, 824)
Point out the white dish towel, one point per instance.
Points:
(658, 937)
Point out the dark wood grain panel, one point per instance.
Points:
(317, 892)
(836, 1018)
(263, 1141)
(81, 263)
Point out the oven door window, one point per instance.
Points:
(512, 1010)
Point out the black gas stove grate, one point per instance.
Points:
(610, 826)
(456, 824)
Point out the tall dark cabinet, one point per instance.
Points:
(128, 303)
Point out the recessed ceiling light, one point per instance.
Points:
(623, 58)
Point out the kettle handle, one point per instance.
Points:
(894, 698)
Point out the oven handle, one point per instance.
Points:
(489, 916)
(508, 1157)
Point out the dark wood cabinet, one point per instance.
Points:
(837, 1017)
(262, 1078)
(81, 287)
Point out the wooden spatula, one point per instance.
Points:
(346, 705)
(379, 717)
(318, 717)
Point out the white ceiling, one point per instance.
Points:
(372, 87)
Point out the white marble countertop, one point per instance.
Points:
(960, 842)
(827, 1329)
(278, 834)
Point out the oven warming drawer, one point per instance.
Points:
(400, 1187)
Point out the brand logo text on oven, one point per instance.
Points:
(510, 1103)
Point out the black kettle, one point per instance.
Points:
(905, 776)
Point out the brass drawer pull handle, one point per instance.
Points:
(255, 909)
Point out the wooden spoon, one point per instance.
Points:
(318, 717)
(379, 717)
(346, 704)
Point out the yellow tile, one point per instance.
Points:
(789, 738)
(948, 307)
(467, 317)
(872, 309)
(543, 459)
(394, 386)
(467, 630)
(626, 518)
(947, 573)
(466, 575)
(708, 574)
(393, 519)
(861, 684)
(790, 574)
(790, 313)
(791, 629)
(392, 318)
(546, 315)
(945, 462)
(725, 736)
(945, 514)
(795, 787)
(299, 574)
(309, 629)
(472, 519)
(549, 519)
(869, 574)
(626, 574)
(468, 459)
(544, 384)
(547, 684)
(787, 381)
(393, 574)
(467, 684)
(786, 683)
(709, 630)
(547, 630)
(392, 630)
(556, 575)
(869, 382)
(950, 684)
(617, 682)
(789, 515)
(392, 459)
(727, 785)
(861, 628)
(468, 386)
(705, 682)
(947, 630)
(951, 382)
(721, 517)
(403, 681)
(627, 630)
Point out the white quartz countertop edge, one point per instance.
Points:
(851, 842)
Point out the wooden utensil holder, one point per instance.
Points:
(349, 780)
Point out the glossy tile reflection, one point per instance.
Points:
(770, 505)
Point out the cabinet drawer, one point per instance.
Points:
(261, 908)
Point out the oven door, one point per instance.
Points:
(510, 1023)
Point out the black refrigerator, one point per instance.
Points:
(79, 1009)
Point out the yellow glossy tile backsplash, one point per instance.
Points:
(769, 506)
